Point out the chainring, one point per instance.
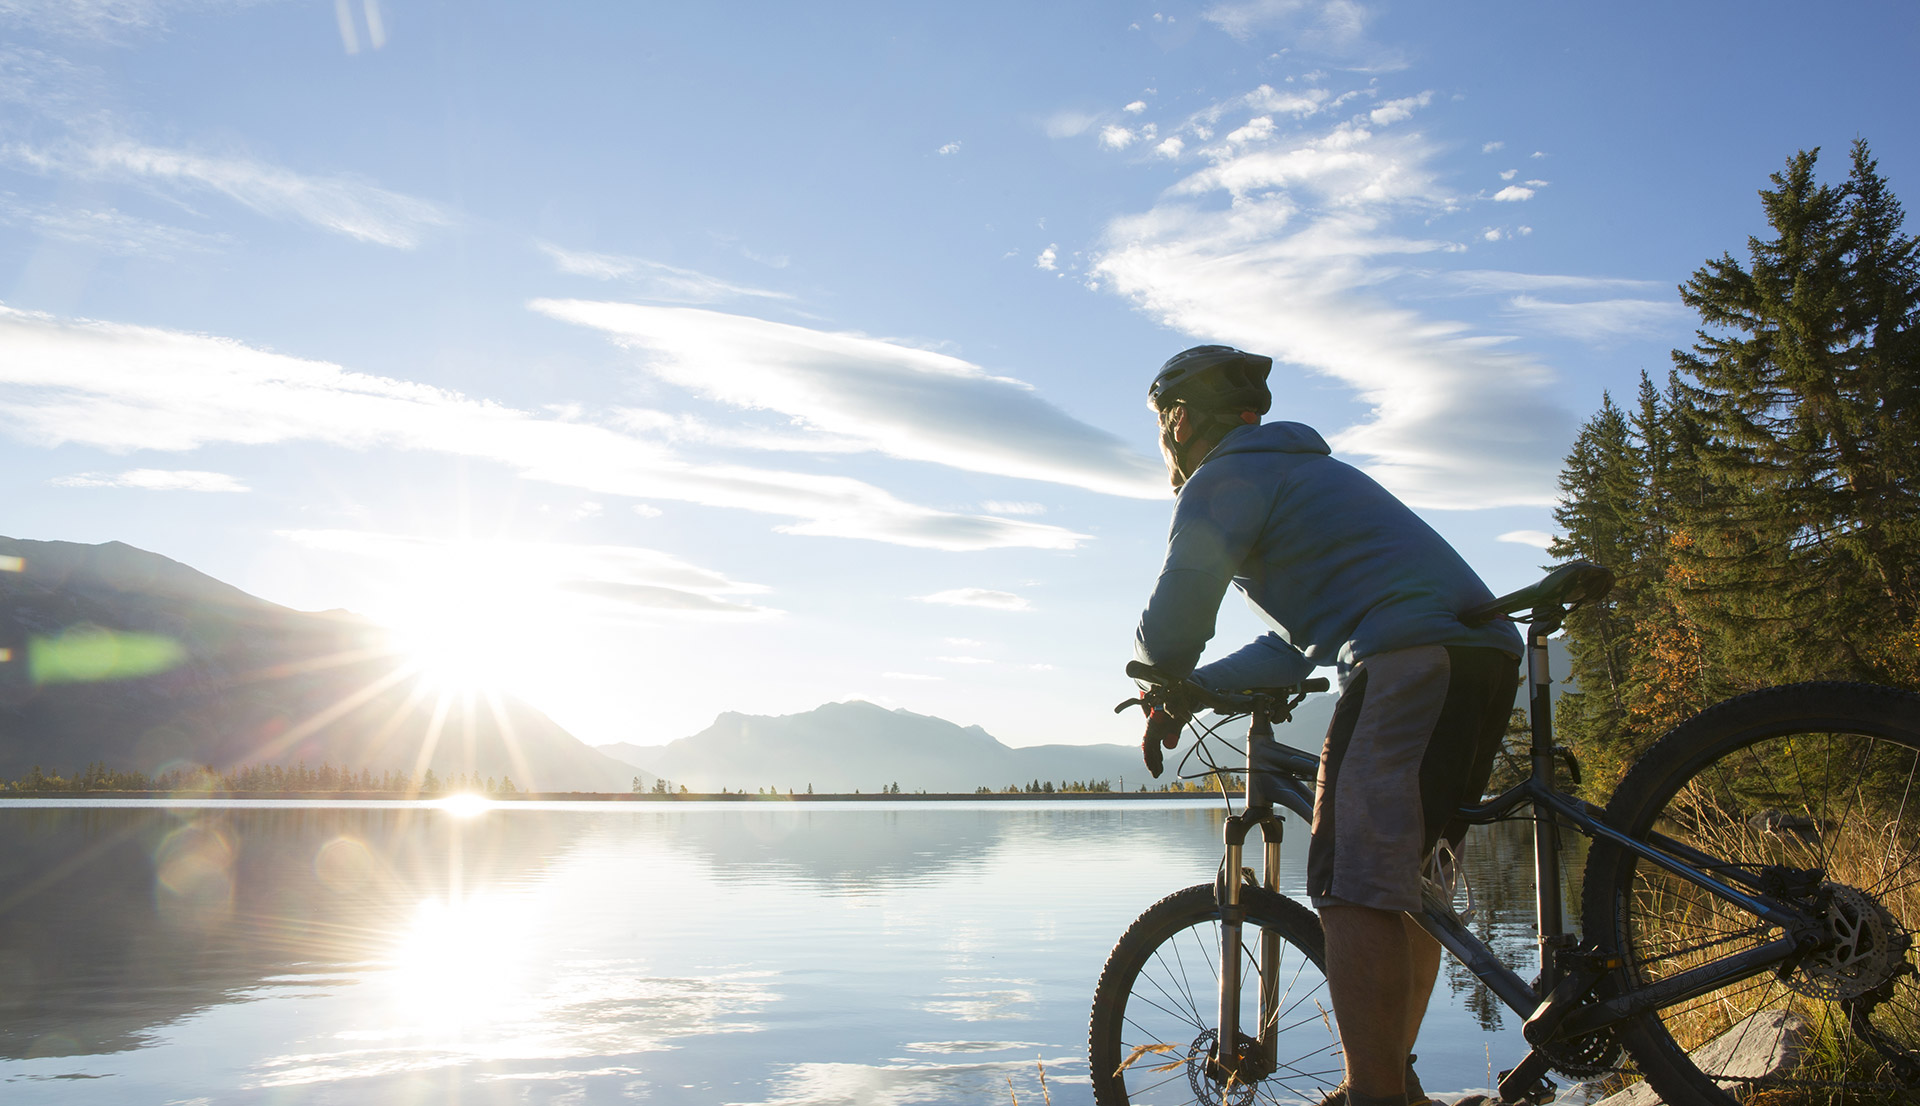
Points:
(1584, 1057)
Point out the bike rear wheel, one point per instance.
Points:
(1154, 1011)
(1815, 790)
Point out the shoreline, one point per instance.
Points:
(621, 797)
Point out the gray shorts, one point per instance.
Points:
(1413, 737)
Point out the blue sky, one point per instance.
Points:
(662, 360)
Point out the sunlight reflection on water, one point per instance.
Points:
(696, 953)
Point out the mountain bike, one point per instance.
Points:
(1753, 885)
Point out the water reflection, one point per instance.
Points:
(914, 952)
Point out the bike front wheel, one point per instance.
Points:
(1811, 792)
(1153, 1037)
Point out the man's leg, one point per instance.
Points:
(1370, 979)
(1424, 952)
(1381, 969)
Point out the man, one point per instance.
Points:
(1347, 576)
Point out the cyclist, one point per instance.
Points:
(1347, 576)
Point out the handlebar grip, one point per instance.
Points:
(1318, 683)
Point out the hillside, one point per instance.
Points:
(125, 657)
(843, 746)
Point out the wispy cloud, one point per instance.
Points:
(121, 388)
(1513, 193)
(909, 403)
(156, 480)
(978, 597)
(656, 280)
(340, 204)
(1336, 25)
(1003, 507)
(1294, 266)
(618, 576)
(106, 229)
(1049, 258)
(1601, 319)
(1539, 539)
(949, 149)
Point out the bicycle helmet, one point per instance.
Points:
(1213, 378)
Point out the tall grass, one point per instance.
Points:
(1846, 818)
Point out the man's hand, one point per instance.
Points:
(1163, 729)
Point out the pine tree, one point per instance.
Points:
(1806, 385)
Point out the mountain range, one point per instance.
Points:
(116, 655)
(843, 746)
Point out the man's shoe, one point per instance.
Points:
(1415, 1096)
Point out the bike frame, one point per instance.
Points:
(1558, 1006)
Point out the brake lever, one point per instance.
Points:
(1141, 702)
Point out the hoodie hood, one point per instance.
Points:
(1272, 437)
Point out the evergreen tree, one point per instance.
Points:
(1806, 385)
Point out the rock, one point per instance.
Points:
(1768, 1043)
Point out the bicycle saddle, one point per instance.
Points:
(1569, 586)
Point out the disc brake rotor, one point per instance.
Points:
(1205, 1078)
(1869, 947)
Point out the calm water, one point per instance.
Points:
(696, 953)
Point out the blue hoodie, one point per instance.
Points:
(1331, 560)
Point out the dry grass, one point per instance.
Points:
(1860, 840)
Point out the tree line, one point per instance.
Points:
(1761, 508)
(262, 777)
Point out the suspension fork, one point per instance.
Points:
(1257, 812)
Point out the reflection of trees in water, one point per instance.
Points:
(1499, 864)
(115, 921)
(864, 847)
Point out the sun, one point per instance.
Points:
(460, 634)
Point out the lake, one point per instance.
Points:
(816, 953)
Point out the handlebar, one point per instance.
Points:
(1182, 694)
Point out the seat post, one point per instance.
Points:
(1546, 829)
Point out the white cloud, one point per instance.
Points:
(647, 510)
(949, 149)
(1595, 320)
(965, 642)
(340, 204)
(1536, 184)
(1538, 153)
(1257, 129)
(693, 430)
(1003, 507)
(910, 403)
(963, 660)
(655, 280)
(1509, 174)
(1496, 280)
(107, 230)
(1136, 107)
(121, 388)
(1294, 267)
(84, 18)
(1394, 111)
(978, 597)
(1116, 137)
(607, 576)
(1048, 258)
(1171, 147)
(1539, 539)
(1265, 99)
(1066, 124)
(1513, 193)
(155, 480)
(1493, 234)
(1489, 147)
